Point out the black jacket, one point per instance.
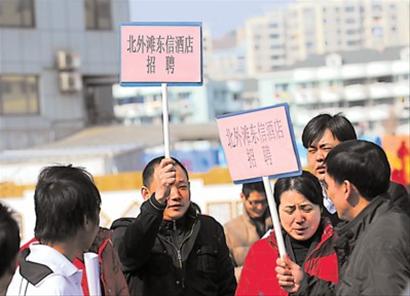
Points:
(373, 253)
(185, 257)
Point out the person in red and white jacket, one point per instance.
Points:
(111, 277)
(307, 236)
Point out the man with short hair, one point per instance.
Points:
(170, 249)
(320, 135)
(67, 207)
(373, 247)
(9, 246)
(242, 231)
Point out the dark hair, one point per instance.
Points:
(64, 196)
(9, 239)
(306, 184)
(341, 128)
(149, 169)
(362, 163)
(248, 188)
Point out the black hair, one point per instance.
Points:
(341, 128)
(64, 197)
(306, 184)
(362, 163)
(149, 169)
(9, 239)
(248, 188)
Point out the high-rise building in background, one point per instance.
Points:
(289, 34)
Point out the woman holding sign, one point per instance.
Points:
(307, 235)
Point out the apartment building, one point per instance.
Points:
(292, 33)
(370, 87)
(58, 61)
(188, 104)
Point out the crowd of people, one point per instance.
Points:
(344, 226)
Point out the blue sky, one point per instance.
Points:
(220, 16)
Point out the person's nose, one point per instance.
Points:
(174, 194)
(259, 205)
(299, 216)
(320, 155)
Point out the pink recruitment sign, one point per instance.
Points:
(259, 143)
(155, 53)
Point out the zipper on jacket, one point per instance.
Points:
(179, 258)
(178, 250)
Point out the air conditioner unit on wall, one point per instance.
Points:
(68, 61)
(70, 82)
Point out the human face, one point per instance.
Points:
(317, 152)
(299, 217)
(337, 194)
(255, 204)
(179, 197)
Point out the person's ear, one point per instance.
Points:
(346, 188)
(243, 197)
(145, 192)
(352, 194)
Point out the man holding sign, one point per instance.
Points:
(169, 249)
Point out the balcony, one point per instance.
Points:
(381, 90)
(401, 89)
(353, 71)
(355, 92)
(376, 69)
(328, 96)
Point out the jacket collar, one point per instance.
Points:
(347, 233)
(184, 222)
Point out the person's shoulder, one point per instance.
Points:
(208, 219)
(57, 284)
(233, 223)
(121, 222)
(390, 224)
(397, 190)
(263, 249)
(209, 222)
(263, 243)
(103, 235)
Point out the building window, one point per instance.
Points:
(98, 14)
(17, 13)
(350, 21)
(18, 95)
(349, 8)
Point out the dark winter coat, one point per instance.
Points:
(184, 257)
(373, 253)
